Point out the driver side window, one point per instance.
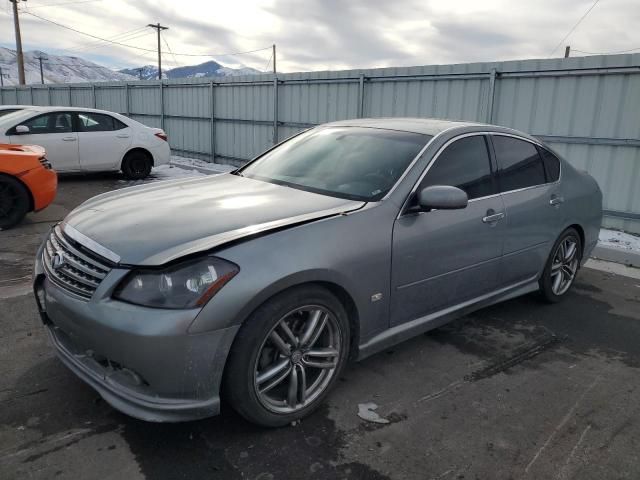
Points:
(57, 122)
(464, 164)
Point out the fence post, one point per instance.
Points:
(93, 95)
(126, 99)
(213, 122)
(49, 94)
(1, 96)
(275, 109)
(70, 97)
(361, 96)
(492, 91)
(161, 105)
(31, 94)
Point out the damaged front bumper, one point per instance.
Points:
(142, 361)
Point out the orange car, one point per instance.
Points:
(27, 183)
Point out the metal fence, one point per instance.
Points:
(587, 108)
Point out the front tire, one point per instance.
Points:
(287, 356)
(14, 202)
(136, 165)
(562, 266)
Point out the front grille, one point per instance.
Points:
(77, 272)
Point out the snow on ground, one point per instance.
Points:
(170, 172)
(617, 239)
(201, 164)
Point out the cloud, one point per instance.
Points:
(335, 34)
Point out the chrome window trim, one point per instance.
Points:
(472, 134)
(90, 244)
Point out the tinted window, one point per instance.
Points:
(464, 164)
(519, 164)
(551, 165)
(58, 122)
(348, 162)
(98, 122)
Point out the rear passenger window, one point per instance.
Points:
(464, 164)
(551, 165)
(519, 165)
(98, 122)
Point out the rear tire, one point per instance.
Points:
(14, 202)
(562, 266)
(272, 383)
(136, 165)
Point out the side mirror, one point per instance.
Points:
(22, 130)
(442, 197)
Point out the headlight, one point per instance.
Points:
(187, 285)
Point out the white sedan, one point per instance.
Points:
(88, 140)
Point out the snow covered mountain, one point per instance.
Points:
(65, 69)
(207, 69)
(56, 69)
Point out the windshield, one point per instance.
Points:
(349, 162)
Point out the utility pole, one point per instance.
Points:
(40, 59)
(159, 28)
(274, 58)
(2, 77)
(16, 24)
(567, 51)
(140, 70)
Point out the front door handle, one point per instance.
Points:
(556, 200)
(492, 217)
(69, 139)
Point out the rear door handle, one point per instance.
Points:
(556, 200)
(122, 135)
(69, 139)
(493, 217)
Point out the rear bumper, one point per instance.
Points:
(43, 184)
(161, 154)
(142, 361)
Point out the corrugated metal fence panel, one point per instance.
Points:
(113, 99)
(40, 96)
(60, 96)
(82, 97)
(588, 108)
(145, 100)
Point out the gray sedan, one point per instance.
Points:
(259, 285)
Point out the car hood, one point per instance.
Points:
(155, 224)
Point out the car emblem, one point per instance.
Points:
(58, 260)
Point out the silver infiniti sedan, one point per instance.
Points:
(259, 285)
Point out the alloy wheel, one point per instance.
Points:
(297, 359)
(564, 266)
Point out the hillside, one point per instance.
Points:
(57, 69)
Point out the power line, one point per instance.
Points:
(574, 27)
(63, 4)
(607, 53)
(175, 61)
(141, 48)
(268, 62)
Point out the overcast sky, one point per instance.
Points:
(327, 34)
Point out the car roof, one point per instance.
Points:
(14, 107)
(42, 108)
(427, 126)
